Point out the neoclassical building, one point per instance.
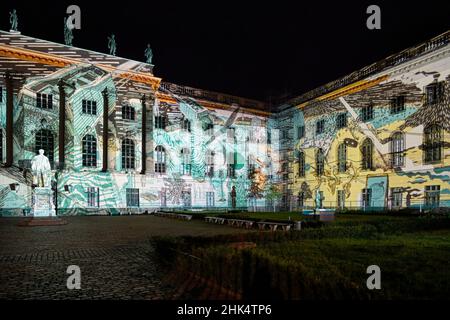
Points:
(122, 140)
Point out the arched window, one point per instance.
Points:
(320, 162)
(342, 158)
(128, 112)
(432, 143)
(160, 163)
(185, 154)
(89, 149)
(397, 149)
(45, 140)
(128, 154)
(210, 163)
(301, 164)
(367, 154)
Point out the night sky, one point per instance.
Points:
(254, 49)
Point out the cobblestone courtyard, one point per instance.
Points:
(113, 253)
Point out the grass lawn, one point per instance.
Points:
(413, 265)
(330, 262)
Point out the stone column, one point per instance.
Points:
(105, 130)
(9, 120)
(62, 124)
(144, 135)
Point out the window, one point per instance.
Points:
(397, 150)
(367, 113)
(341, 199)
(367, 154)
(342, 158)
(186, 198)
(89, 149)
(432, 196)
(341, 120)
(209, 128)
(210, 163)
(128, 154)
(1, 145)
(160, 164)
(44, 101)
(89, 107)
(434, 92)
(301, 164)
(432, 144)
(231, 135)
(209, 199)
(161, 121)
(92, 195)
(185, 125)
(320, 126)
(301, 199)
(132, 197)
(300, 132)
(45, 140)
(231, 168)
(366, 197)
(128, 112)
(163, 197)
(231, 171)
(397, 104)
(396, 198)
(185, 161)
(320, 162)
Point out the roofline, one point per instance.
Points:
(377, 67)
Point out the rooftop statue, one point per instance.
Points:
(40, 167)
(148, 54)
(68, 35)
(112, 45)
(14, 20)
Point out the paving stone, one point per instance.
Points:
(113, 253)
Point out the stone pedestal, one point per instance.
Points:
(43, 203)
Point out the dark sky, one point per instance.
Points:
(254, 49)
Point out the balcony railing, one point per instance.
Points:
(213, 96)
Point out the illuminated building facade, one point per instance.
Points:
(121, 140)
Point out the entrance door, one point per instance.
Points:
(209, 199)
(378, 185)
(186, 197)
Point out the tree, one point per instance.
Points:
(257, 184)
(273, 193)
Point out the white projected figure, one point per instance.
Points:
(40, 166)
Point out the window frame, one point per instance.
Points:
(128, 154)
(320, 162)
(367, 159)
(397, 146)
(93, 197)
(132, 197)
(89, 107)
(128, 112)
(367, 113)
(397, 104)
(89, 151)
(432, 144)
(341, 120)
(342, 157)
(160, 159)
(320, 126)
